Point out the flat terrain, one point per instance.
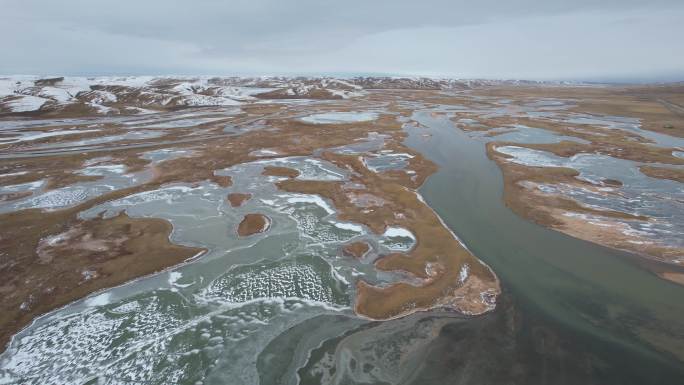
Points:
(268, 186)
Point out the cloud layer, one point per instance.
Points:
(534, 39)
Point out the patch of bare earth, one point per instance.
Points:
(356, 249)
(674, 174)
(238, 199)
(68, 260)
(253, 224)
(280, 171)
(674, 277)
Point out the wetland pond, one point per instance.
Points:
(276, 307)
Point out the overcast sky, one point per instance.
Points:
(531, 39)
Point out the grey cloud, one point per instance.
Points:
(293, 36)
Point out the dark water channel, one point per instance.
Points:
(571, 313)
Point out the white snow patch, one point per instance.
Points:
(315, 199)
(174, 276)
(528, 157)
(102, 169)
(25, 103)
(463, 273)
(340, 117)
(348, 226)
(339, 276)
(58, 198)
(39, 135)
(264, 152)
(398, 232)
(99, 300)
(57, 94)
(14, 174)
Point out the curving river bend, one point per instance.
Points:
(573, 312)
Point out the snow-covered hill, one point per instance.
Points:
(115, 95)
(74, 96)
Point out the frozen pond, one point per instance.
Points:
(112, 177)
(208, 319)
(639, 194)
(628, 124)
(27, 136)
(524, 134)
(386, 160)
(340, 117)
(131, 135)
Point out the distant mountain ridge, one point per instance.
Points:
(72, 96)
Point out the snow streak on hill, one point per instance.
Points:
(71, 96)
